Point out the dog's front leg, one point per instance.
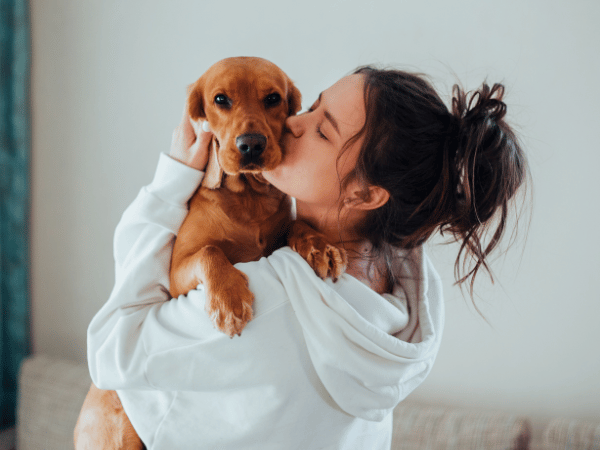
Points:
(326, 259)
(228, 298)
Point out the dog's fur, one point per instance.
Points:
(235, 216)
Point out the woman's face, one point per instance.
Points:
(310, 170)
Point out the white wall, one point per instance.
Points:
(109, 79)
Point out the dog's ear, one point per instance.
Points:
(196, 100)
(213, 174)
(294, 100)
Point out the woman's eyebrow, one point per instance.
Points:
(329, 117)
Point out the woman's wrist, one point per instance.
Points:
(174, 181)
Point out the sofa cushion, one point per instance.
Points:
(51, 393)
(572, 434)
(421, 427)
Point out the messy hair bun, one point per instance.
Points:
(488, 168)
(450, 171)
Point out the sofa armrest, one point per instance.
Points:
(51, 393)
(419, 427)
(572, 434)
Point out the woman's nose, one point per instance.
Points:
(295, 125)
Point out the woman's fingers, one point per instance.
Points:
(200, 148)
(187, 129)
(190, 145)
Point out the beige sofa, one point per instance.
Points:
(52, 391)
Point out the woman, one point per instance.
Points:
(378, 164)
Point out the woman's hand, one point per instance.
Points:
(190, 146)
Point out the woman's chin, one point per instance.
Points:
(271, 176)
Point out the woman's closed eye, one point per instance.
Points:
(311, 109)
(320, 133)
(314, 106)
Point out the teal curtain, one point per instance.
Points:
(14, 199)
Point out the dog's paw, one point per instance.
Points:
(229, 303)
(326, 259)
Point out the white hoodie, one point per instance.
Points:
(321, 365)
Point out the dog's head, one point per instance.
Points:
(246, 101)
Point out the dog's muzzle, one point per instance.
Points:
(251, 146)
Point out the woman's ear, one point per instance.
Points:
(374, 198)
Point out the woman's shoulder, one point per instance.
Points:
(270, 278)
(275, 265)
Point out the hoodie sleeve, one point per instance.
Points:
(142, 339)
(142, 248)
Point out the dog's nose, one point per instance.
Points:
(251, 145)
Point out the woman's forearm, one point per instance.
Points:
(142, 247)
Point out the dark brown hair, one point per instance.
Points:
(452, 171)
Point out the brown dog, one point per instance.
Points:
(235, 216)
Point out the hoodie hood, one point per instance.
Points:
(370, 351)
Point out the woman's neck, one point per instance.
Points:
(365, 266)
(339, 231)
(338, 226)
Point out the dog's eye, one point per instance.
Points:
(222, 100)
(272, 100)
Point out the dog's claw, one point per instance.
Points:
(329, 261)
(326, 259)
(229, 304)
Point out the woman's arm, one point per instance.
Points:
(142, 339)
(142, 248)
